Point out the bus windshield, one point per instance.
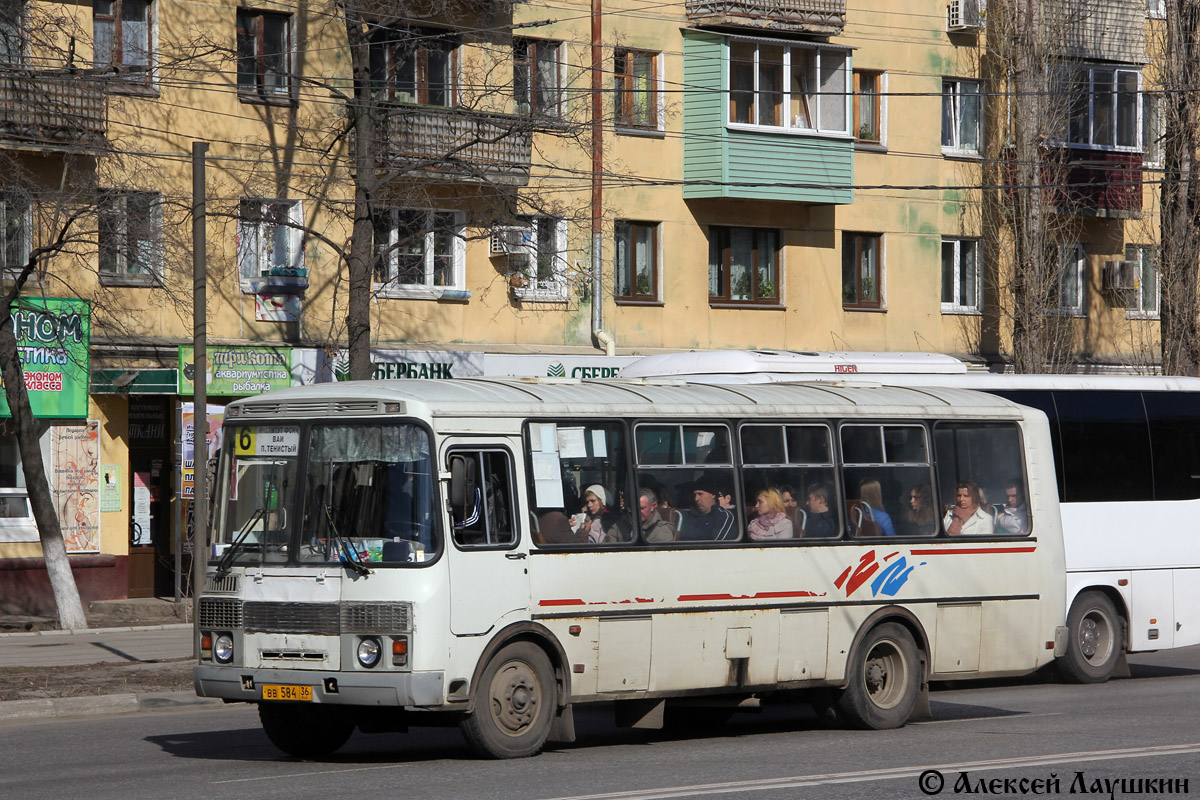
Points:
(363, 487)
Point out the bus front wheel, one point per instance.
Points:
(885, 680)
(305, 731)
(515, 706)
(1094, 637)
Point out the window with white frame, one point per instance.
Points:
(14, 499)
(1071, 263)
(122, 35)
(418, 248)
(804, 89)
(270, 238)
(960, 276)
(264, 55)
(1143, 300)
(1103, 106)
(1152, 128)
(537, 77)
(961, 116)
(1156, 9)
(16, 226)
(130, 236)
(543, 265)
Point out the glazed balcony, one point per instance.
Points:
(52, 110)
(1102, 183)
(458, 144)
(816, 17)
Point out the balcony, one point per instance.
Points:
(459, 145)
(52, 110)
(815, 17)
(1102, 183)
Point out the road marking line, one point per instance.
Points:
(800, 781)
(925, 722)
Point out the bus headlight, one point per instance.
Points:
(368, 652)
(223, 648)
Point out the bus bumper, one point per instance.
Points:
(395, 689)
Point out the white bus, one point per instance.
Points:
(492, 552)
(1127, 457)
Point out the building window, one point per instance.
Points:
(743, 265)
(1070, 265)
(415, 65)
(14, 499)
(16, 224)
(637, 89)
(961, 117)
(1104, 106)
(782, 87)
(1143, 300)
(868, 113)
(264, 55)
(636, 261)
(270, 238)
(1152, 129)
(862, 270)
(418, 248)
(130, 236)
(544, 266)
(121, 31)
(537, 77)
(12, 33)
(1156, 9)
(960, 276)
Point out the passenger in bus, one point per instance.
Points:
(920, 518)
(554, 527)
(870, 493)
(1013, 517)
(791, 506)
(725, 499)
(771, 521)
(821, 522)
(596, 521)
(967, 516)
(654, 528)
(708, 521)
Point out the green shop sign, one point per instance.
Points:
(238, 371)
(52, 341)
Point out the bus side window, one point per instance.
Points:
(988, 455)
(487, 520)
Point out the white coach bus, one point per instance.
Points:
(1127, 458)
(492, 552)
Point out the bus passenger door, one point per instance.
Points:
(489, 575)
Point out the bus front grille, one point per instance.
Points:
(282, 617)
(375, 617)
(220, 612)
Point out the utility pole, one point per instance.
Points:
(200, 382)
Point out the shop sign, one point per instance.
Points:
(52, 342)
(413, 364)
(552, 366)
(238, 371)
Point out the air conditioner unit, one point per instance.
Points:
(510, 241)
(1119, 276)
(963, 15)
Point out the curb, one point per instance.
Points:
(64, 707)
(96, 631)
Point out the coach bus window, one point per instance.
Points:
(489, 519)
(792, 460)
(579, 483)
(1043, 400)
(691, 468)
(369, 488)
(987, 460)
(1175, 442)
(1105, 447)
(882, 466)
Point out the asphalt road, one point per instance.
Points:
(1140, 728)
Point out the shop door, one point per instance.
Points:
(151, 563)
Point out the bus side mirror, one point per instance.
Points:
(462, 486)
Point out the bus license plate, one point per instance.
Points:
(276, 691)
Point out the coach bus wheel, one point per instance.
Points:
(305, 731)
(885, 679)
(1093, 639)
(515, 706)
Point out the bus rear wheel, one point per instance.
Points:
(305, 731)
(885, 680)
(515, 706)
(1094, 637)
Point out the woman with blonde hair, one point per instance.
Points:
(772, 521)
(871, 493)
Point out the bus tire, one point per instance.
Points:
(885, 679)
(1094, 639)
(305, 731)
(515, 704)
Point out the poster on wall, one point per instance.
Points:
(208, 463)
(110, 488)
(75, 483)
(52, 342)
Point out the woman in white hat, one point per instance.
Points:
(596, 520)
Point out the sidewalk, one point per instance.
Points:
(127, 635)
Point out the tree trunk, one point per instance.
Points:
(58, 567)
(364, 114)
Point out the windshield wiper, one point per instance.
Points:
(227, 557)
(346, 553)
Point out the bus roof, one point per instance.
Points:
(840, 363)
(461, 397)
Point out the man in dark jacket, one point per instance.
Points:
(708, 521)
